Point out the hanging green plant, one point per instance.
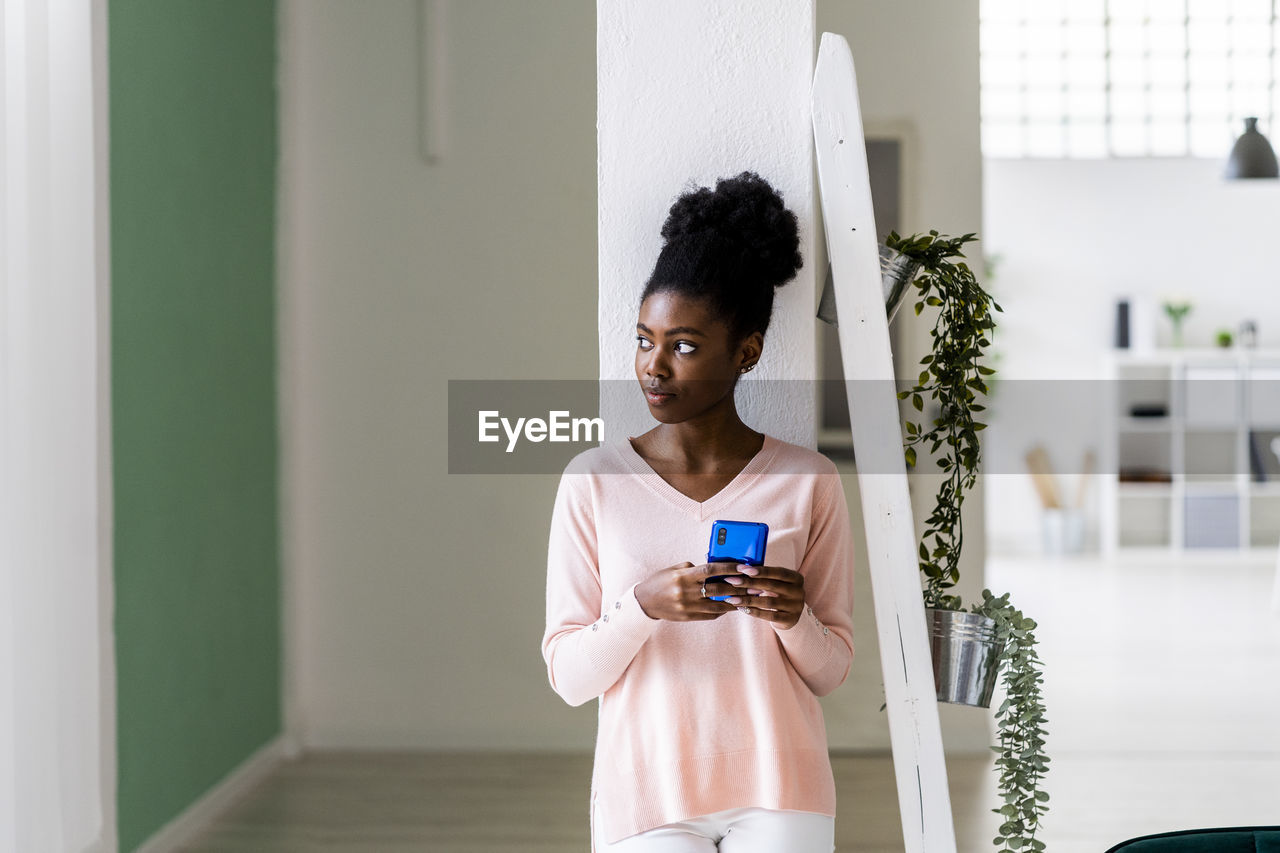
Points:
(953, 377)
(1021, 761)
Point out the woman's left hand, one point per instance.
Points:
(771, 593)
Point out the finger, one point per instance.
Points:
(771, 572)
(721, 571)
(732, 596)
(765, 613)
(783, 574)
(714, 599)
(775, 588)
(757, 609)
(719, 589)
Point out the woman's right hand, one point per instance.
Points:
(675, 593)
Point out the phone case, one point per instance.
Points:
(736, 542)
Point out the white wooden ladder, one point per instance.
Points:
(914, 729)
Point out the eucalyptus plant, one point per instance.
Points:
(1021, 761)
(953, 377)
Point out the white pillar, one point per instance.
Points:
(691, 91)
(56, 687)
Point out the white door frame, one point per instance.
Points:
(109, 840)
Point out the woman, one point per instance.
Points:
(710, 733)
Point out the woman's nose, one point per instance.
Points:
(654, 366)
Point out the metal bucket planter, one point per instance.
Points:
(966, 656)
(897, 271)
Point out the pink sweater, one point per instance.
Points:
(698, 717)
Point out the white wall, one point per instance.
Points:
(411, 623)
(1073, 237)
(416, 598)
(659, 130)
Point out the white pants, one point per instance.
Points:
(747, 830)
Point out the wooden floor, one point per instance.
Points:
(1163, 689)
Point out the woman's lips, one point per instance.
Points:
(656, 399)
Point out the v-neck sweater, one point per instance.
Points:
(697, 717)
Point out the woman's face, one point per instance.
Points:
(683, 352)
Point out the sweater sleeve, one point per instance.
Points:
(588, 643)
(820, 645)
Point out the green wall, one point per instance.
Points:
(197, 569)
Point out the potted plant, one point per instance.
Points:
(970, 647)
(1177, 308)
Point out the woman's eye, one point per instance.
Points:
(646, 346)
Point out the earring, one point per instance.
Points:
(748, 367)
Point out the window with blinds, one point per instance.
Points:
(1126, 78)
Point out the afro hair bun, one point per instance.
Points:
(746, 218)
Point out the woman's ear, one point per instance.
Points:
(749, 350)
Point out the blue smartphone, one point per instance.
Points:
(736, 542)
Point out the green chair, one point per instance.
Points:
(1239, 839)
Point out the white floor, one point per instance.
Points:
(1162, 683)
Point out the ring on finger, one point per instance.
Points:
(704, 588)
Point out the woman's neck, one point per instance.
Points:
(695, 446)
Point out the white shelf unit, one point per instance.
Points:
(1194, 479)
